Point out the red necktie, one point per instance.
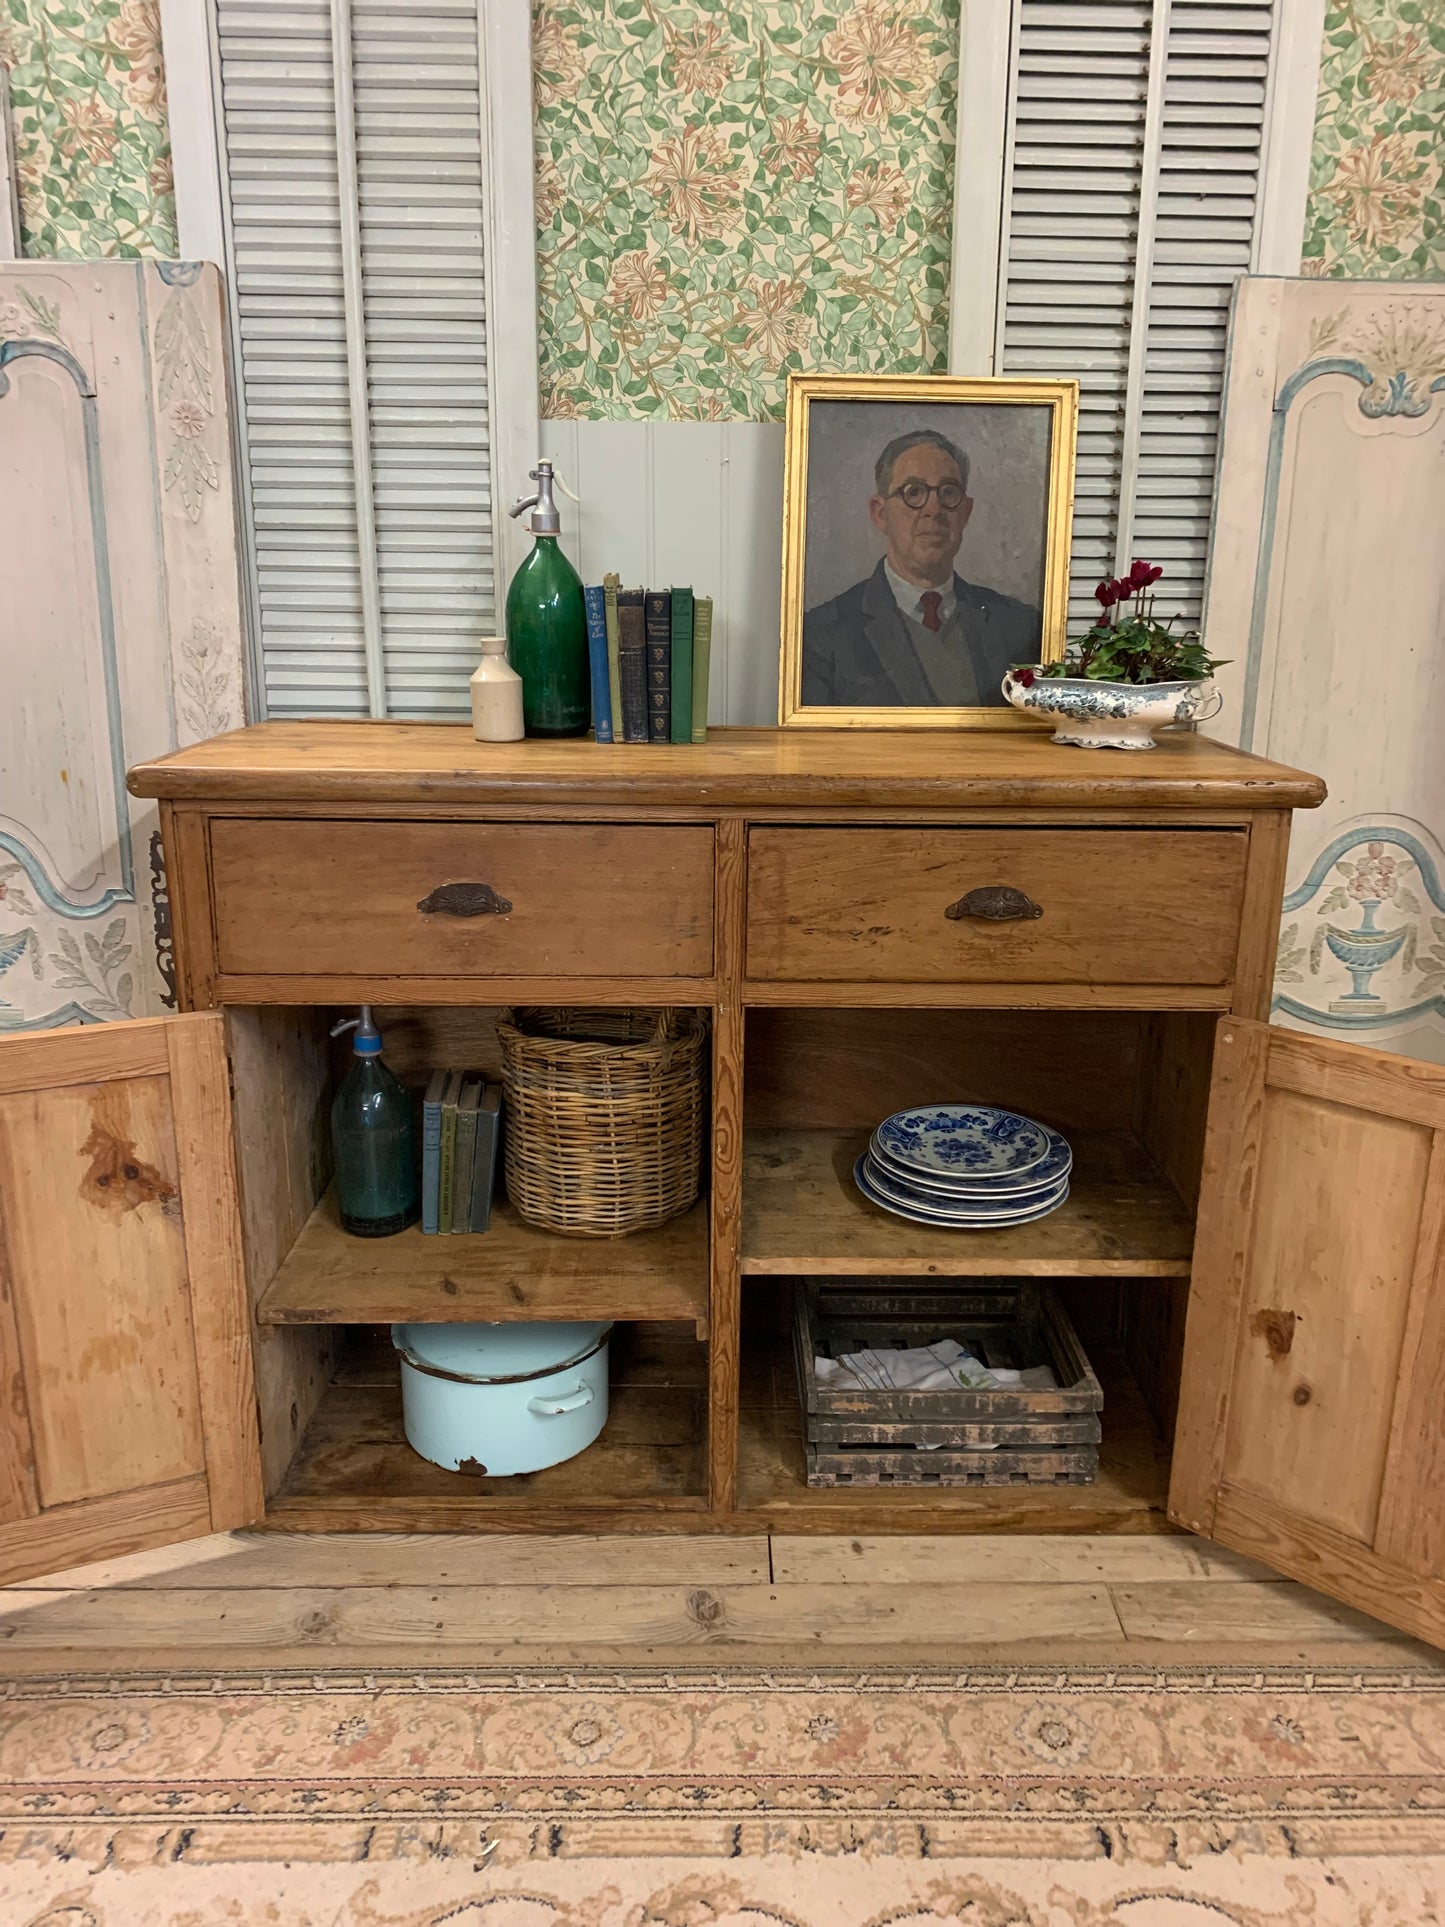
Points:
(929, 602)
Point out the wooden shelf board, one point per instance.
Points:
(773, 1494)
(802, 1213)
(510, 1271)
(354, 1463)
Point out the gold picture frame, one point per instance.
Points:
(932, 392)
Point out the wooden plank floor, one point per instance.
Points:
(243, 1599)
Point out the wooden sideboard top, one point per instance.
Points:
(396, 762)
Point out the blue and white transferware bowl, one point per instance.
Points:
(1110, 715)
(961, 1140)
(941, 1188)
(963, 1219)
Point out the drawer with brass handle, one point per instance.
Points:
(1027, 906)
(325, 898)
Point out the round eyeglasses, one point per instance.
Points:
(915, 493)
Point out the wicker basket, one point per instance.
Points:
(604, 1117)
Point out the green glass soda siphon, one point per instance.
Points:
(374, 1140)
(547, 624)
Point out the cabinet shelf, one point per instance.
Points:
(802, 1213)
(510, 1271)
(355, 1468)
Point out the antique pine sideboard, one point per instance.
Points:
(806, 890)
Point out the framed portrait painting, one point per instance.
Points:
(926, 529)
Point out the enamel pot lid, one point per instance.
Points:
(497, 1354)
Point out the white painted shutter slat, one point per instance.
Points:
(1131, 199)
(411, 403)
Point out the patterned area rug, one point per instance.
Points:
(1086, 1798)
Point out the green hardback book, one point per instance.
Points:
(682, 606)
(446, 1170)
(610, 586)
(489, 1137)
(464, 1157)
(701, 664)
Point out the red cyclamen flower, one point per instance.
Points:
(1024, 678)
(1107, 594)
(1142, 576)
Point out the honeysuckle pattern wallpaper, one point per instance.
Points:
(1377, 180)
(783, 169)
(726, 192)
(92, 150)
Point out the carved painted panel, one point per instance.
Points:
(120, 609)
(1327, 586)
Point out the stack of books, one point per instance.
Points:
(650, 654)
(461, 1130)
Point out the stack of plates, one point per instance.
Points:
(965, 1165)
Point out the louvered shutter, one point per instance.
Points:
(354, 149)
(1131, 205)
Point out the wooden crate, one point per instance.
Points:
(994, 1437)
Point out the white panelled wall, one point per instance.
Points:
(697, 503)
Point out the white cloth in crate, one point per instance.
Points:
(945, 1366)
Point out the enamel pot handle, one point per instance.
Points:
(567, 1402)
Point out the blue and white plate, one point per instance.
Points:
(962, 1141)
(954, 1220)
(960, 1210)
(929, 1185)
(900, 1191)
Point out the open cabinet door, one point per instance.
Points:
(128, 1417)
(1311, 1428)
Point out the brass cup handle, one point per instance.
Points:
(464, 900)
(995, 903)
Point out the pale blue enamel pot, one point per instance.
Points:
(496, 1400)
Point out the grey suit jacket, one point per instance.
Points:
(857, 652)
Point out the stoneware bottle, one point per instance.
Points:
(547, 624)
(496, 696)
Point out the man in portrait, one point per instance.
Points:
(915, 634)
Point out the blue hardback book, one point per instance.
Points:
(431, 1150)
(595, 597)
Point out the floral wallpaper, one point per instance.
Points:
(88, 95)
(726, 192)
(1377, 181)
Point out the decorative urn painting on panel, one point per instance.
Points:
(120, 608)
(1370, 914)
(1327, 577)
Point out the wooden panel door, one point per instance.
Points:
(1311, 1425)
(128, 1417)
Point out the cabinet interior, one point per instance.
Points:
(1128, 1088)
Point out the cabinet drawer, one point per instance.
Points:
(1104, 906)
(343, 899)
